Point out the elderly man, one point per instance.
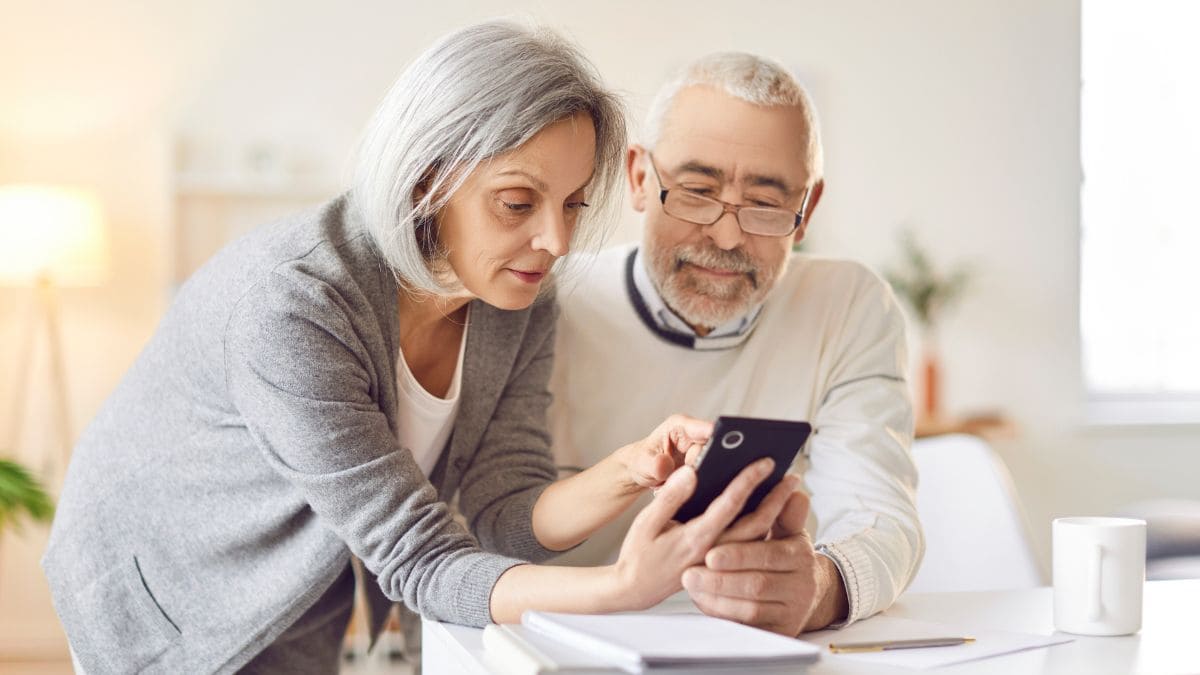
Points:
(714, 315)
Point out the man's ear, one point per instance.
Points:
(635, 174)
(814, 196)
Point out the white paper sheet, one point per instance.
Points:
(879, 628)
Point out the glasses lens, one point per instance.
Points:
(692, 207)
(769, 222)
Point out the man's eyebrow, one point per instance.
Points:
(693, 166)
(754, 179)
(762, 180)
(537, 182)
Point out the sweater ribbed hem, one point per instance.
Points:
(862, 589)
(474, 608)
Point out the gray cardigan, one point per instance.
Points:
(251, 449)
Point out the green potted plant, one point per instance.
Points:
(928, 293)
(21, 495)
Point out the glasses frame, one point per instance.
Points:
(726, 207)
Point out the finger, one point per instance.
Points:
(793, 517)
(682, 429)
(776, 555)
(770, 616)
(692, 454)
(757, 524)
(654, 518)
(650, 470)
(748, 585)
(721, 512)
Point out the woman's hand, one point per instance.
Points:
(657, 550)
(677, 441)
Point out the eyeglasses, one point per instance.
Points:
(696, 208)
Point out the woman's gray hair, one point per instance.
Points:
(748, 77)
(478, 92)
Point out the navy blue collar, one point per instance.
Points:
(663, 327)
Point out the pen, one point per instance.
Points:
(858, 647)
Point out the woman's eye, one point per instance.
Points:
(577, 205)
(516, 207)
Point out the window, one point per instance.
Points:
(1140, 249)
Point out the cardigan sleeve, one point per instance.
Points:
(297, 374)
(513, 465)
(861, 473)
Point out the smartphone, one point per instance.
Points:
(736, 443)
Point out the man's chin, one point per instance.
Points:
(701, 310)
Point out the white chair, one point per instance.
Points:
(975, 534)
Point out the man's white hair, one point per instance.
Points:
(748, 77)
(477, 93)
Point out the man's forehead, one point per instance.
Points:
(711, 132)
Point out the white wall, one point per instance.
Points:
(958, 119)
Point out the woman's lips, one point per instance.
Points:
(531, 277)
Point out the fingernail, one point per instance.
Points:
(766, 467)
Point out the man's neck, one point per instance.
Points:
(659, 318)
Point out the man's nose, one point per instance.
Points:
(726, 233)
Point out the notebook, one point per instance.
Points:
(637, 642)
(512, 649)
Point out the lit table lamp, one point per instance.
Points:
(49, 237)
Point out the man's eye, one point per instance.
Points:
(699, 190)
(516, 206)
(762, 204)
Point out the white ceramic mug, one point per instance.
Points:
(1099, 572)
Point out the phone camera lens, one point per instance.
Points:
(732, 440)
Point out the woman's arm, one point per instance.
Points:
(571, 509)
(653, 557)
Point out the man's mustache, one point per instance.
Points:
(736, 260)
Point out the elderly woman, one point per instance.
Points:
(326, 384)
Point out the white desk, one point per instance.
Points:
(1168, 643)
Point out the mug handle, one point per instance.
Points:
(1095, 608)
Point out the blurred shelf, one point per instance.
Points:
(990, 426)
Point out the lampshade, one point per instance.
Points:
(51, 232)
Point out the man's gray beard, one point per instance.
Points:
(709, 302)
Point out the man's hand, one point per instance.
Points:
(764, 572)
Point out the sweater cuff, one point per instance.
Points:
(473, 607)
(862, 590)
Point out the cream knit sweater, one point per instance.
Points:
(828, 348)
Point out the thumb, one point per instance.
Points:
(793, 516)
(655, 517)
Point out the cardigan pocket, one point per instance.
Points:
(115, 624)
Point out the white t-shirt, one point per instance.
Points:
(424, 421)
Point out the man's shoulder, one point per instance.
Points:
(809, 272)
